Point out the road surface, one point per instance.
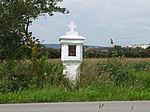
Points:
(121, 106)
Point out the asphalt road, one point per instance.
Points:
(122, 106)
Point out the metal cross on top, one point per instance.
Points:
(72, 26)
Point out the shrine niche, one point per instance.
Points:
(72, 50)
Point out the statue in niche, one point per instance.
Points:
(72, 50)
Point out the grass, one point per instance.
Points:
(90, 93)
(95, 83)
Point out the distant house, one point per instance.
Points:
(144, 46)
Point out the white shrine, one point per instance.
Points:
(72, 52)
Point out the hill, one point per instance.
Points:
(54, 46)
(58, 46)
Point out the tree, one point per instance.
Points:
(9, 33)
(15, 18)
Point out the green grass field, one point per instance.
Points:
(59, 94)
(100, 80)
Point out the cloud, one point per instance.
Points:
(79, 2)
(146, 27)
(102, 25)
(97, 19)
(118, 26)
(37, 27)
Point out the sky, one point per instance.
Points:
(127, 21)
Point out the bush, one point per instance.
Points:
(143, 80)
(120, 72)
(141, 65)
(14, 75)
(18, 75)
(93, 73)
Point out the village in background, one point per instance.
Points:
(91, 51)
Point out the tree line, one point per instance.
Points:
(117, 51)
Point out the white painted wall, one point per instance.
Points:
(72, 69)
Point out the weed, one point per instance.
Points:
(111, 79)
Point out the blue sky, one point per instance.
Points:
(98, 21)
